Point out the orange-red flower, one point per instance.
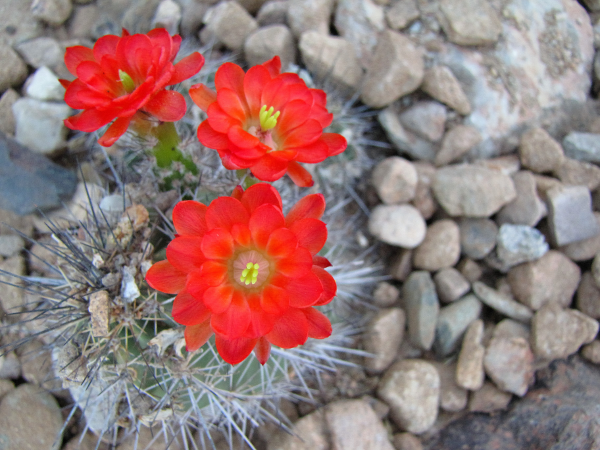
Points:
(247, 273)
(124, 78)
(266, 121)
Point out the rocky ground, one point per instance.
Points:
(487, 205)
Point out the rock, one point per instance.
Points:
(30, 419)
(308, 433)
(152, 439)
(403, 140)
(594, 5)
(527, 208)
(42, 51)
(551, 279)
(10, 245)
(12, 295)
(191, 17)
(426, 119)
(273, 13)
(501, 303)
(13, 70)
(558, 333)
(360, 22)
(407, 441)
(401, 265)
(440, 248)
(412, 389)
(310, 15)
(36, 365)
(396, 69)
(539, 152)
(450, 284)
(582, 146)
(136, 16)
(400, 225)
(452, 397)
(456, 143)
(422, 307)
(29, 181)
(489, 399)
(7, 119)
(585, 249)
(468, 190)
(168, 15)
(395, 180)
(10, 367)
(84, 20)
(588, 296)
(596, 269)
(6, 386)
(264, 43)
(424, 200)
(401, 13)
(508, 328)
(227, 24)
(385, 294)
(470, 269)
(508, 165)
(469, 368)
(39, 124)
(53, 12)
(17, 24)
(573, 172)
(544, 184)
(519, 243)
(252, 6)
(44, 85)
(441, 84)
(477, 237)
(591, 352)
(453, 321)
(508, 362)
(353, 424)
(570, 217)
(330, 57)
(470, 22)
(86, 442)
(382, 338)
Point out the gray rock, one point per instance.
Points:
(39, 124)
(252, 6)
(412, 389)
(10, 366)
(558, 333)
(168, 16)
(456, 143)
(501, 303)
(330, 57)
(508, 362)
(596, 269)
(401, 13)
(539, 152)
(136, 17)
(570, 217)
(573, 172)
(508, 328)
(520, 243)
(489, 399)
(472, 191)
(402, 139)
(422, 307)
(407, 441)
(44, 85)
(13, 70)
(588, 296)
(453, 398)
(10, 245)
(7, 118)
(308, 433)
(440, 248)
(401, 265)
(227, 24)
(273, 13)
(264, 43)
(469, 368)
(53, 12)
(42, 51)
(309, 15)
(582, 146)
(30, 419)
(594, 5)
(450, 284)
(17, 24)
(360, 22)
(551, 279)
(12, 296)
(477, 237)
(426, 119)
(470, 22)
(385, 294)
(470, 269)
(441, 84)
(591, 352)
(400, 225)
(29, 181)
(354, 424)
(396, 69)
(5, 387)
(527, 208)
(395, 180)
(453, 321)
(382, 338)
(585, 249)
(156, 439)
(192, 15)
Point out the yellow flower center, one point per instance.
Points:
(268, 117)
(250, 274)
(127, 81)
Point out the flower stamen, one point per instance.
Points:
(127, 81)
(250, 274)
(268, 118)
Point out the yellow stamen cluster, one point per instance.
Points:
(127, 81)
(250, 274)
(268, 119)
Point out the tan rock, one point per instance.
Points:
(469, 369)
(540, 152)
(267, 42)
(441, 84)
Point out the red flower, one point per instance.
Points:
(246, 272)
(266, 121)
(124, 78)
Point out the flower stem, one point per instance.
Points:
(166, 151)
